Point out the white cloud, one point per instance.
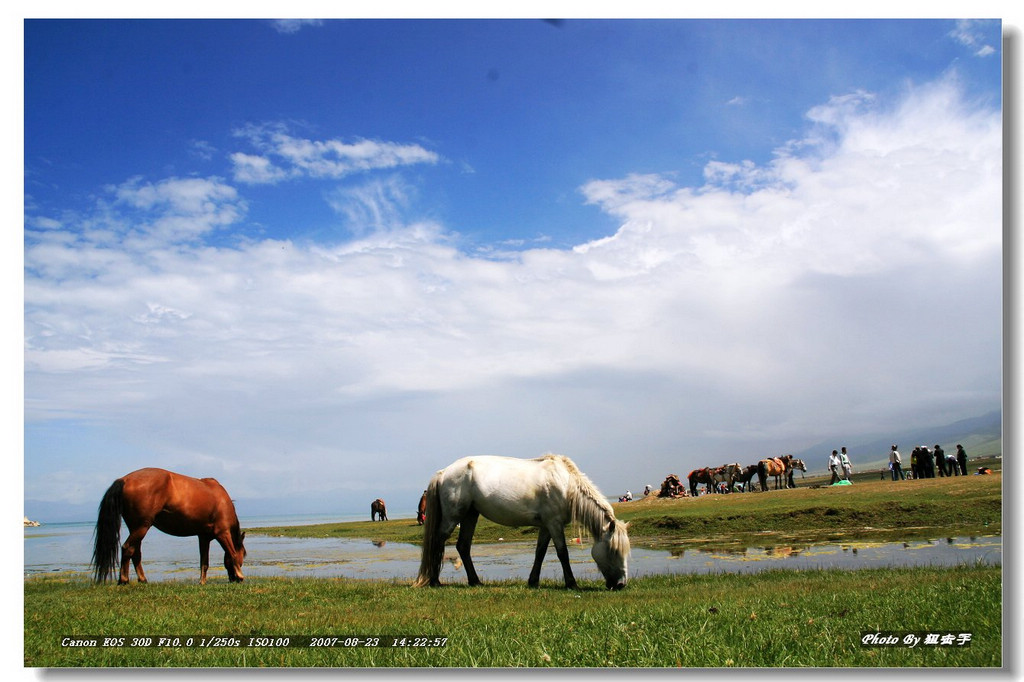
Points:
(831, 288)
(378, 205)
(178, 208)
(290, 26)
(970, 33)
(285, 156)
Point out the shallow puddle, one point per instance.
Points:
(66, 548)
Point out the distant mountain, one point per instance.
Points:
(984, 432)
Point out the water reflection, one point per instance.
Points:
(66, 548)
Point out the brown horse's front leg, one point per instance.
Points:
(233, 568)
(204, 557)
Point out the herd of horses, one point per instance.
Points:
(548, 492)
(726, 477)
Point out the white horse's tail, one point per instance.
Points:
(433, 544)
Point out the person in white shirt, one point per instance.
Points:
(833, 466)
(896, 466)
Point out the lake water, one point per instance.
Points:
(66, 548)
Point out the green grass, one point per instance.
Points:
(772, 619)
(870, 509)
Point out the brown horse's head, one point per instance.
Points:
(233, 559)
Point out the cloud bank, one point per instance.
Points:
(850, 285)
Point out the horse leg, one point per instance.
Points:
(228, 545)
(465, 542)
(204, 557)
(543, 539)
(563, 556)
(131, 551)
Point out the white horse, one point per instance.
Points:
(728, 474)
(548, 492)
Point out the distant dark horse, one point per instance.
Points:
(178, 505)
(793, 466)
(378, 512)
(698, 476)
(746, 476)
(421, 510)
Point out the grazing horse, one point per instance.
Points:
(378, 512)
(548, 492)
(421, 510)
(698, 476)
(176, 504)
(728, 474)
(778, 467)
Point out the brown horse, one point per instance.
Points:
(378, 512)
(772, 466)
(781, 468)
(421, 510)
(178, 505)
(698, 476)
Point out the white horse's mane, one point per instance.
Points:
(588, 506)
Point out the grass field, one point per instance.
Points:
(778, 618)
(773, 619)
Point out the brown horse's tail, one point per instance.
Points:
(108, 532)
(433, 543)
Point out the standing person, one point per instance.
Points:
(928, 468)
(833, 466)
(844, 460)
(961, 459)
(896, 464)
(915, 464)
(940, 461)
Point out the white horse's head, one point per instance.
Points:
(611, 553)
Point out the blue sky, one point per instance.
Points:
(354, 251)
